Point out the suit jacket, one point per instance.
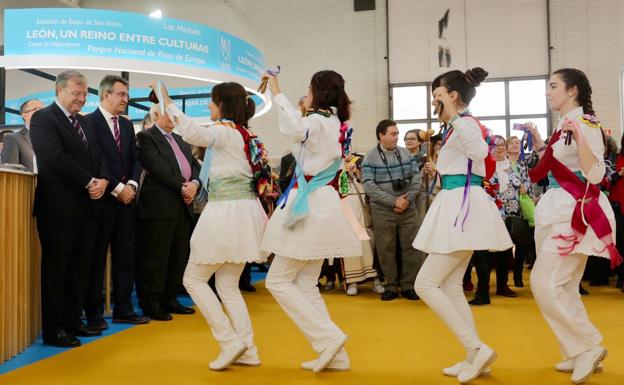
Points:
(65, 164)
(18, 149)
(161, 195)
(122, 166)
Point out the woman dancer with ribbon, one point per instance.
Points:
(461, 219)
(230, 229)
(308, 225)
(573, 219)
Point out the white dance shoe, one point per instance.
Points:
(328, 354)
(249, 358)
(352, 289)
(567, 366)
(340, 363)
(227, 357)
(453, 371)
(477, 362)
(585, 364)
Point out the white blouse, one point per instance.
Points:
(229, 157)
(568, 155)
(465, 142)
(322, 147)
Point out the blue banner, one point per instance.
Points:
(114, 34)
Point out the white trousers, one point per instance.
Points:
(555, 285)
(439, 285)
(227, 331)
(292, 283)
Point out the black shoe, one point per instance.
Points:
(410, 294)
(389, 295)
(179, 309)
(247, 287)
(518, 283)
(599, 282)
(97, 324)
(477, 301)
(62, 339)
(506, 292)
(84, 331)
(158, 315)
(132, 319)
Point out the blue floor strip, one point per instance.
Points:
(38, 351)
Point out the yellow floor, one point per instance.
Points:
(398, 342)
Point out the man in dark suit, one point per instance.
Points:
(72, 179)
(115, 136)
(165, 211)
(17, 146)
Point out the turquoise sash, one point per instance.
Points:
(300, 207)
(552, 182)
(450, 182)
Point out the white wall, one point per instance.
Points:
(507, 38)
(589, 35)
(303, 36)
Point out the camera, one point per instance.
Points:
(399, 185)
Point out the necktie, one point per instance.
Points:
(185, 167)
(116, 132)
(76, 125)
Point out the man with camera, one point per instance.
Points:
(391, 180)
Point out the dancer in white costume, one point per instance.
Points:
(230, 229)
(573, 219)
(462, 218)
(311, 226)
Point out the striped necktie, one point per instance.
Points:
(76, 125)
(116, 132)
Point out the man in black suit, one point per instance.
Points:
(17, 146)
(115, 136)
(165, 211)
(72, 179)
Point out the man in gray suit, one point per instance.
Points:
(17, 146)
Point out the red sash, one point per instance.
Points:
(587, 211)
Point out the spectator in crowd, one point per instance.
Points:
(17, 147)
(72, 180)
(415, 144)
(525, 250)
(165, 210)
(147, 122)
(392, 181)
(115, 137)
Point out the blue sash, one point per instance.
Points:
(300, 207)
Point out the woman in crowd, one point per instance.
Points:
(525, 249)
(572, 220)
(230, 228)
(309, 225)
(461, 219)
(505, 187)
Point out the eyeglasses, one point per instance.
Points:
(121, 94)
(410, 139)
(76, 93)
